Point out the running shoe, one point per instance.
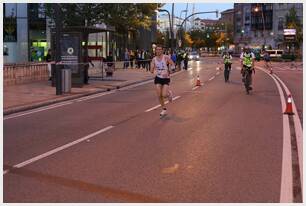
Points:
(163, 112)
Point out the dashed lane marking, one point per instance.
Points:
(157, 106)
(58, 149)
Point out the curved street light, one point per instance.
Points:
(170, 25)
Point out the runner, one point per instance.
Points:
(162, 79)
(266, 58)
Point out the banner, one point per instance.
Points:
(70, 52)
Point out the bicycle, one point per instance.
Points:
(247, 78)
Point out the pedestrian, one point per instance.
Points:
(186, 60)
(227, 65)
(110, 64)
(173, 58)
(143, 62)
(49, 59)
(162, 78)
(132, 57)
(138, 58)
(126, 59)
(147, 60)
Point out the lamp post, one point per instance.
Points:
(263, 22)
(170, 25)
(58, 28)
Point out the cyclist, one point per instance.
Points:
(247, 67)
(227, 65)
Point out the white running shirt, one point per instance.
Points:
(161, 68)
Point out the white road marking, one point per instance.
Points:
(298, 130)
(93, 96)
(51, 152)
(78, 100)
(211, 78)
(194, 88)
(37, 110)
(157, 106)
(286, 190)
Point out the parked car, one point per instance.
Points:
(194, 55)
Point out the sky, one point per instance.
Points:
(199, 7)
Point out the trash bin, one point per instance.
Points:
(66, 80)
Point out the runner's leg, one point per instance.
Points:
(159, 94)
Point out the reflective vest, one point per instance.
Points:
(247, 59)
(227, 59)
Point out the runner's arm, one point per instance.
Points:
(152, 66)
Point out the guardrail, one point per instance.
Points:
(23, 73)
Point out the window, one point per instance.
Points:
(41, 11)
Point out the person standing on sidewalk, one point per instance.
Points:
(227, 65)
(186, 58)
(132, 57)
(49, 59)
(147, 60)
(126, 59)
(162, 78)
(173, 58)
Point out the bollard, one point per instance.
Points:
(58, 77)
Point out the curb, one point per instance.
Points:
(50, 102)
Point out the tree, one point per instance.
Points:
(188, 40)
(124, 17)
(292, 22)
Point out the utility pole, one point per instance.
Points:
(172, 36)
(58, 28)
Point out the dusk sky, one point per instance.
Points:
(178, 7)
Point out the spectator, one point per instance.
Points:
(49, 59)
(126, 59)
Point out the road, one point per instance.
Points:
(216, 144)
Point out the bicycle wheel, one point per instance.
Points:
(247, 81)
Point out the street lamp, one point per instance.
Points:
(263, 22)
(170, 25)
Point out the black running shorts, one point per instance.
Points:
(161, 81)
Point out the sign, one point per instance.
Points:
(289, 32)
(70, 52)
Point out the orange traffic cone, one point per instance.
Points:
(198, 81)
(289, 106)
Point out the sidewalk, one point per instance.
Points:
(32, 95)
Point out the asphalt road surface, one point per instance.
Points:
(216, 144)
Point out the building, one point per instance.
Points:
(206, 24)
(227, 16)
(15, 33)
(256, 25)
(163, 23)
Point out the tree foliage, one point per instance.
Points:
(123, 17)
(293, 22)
